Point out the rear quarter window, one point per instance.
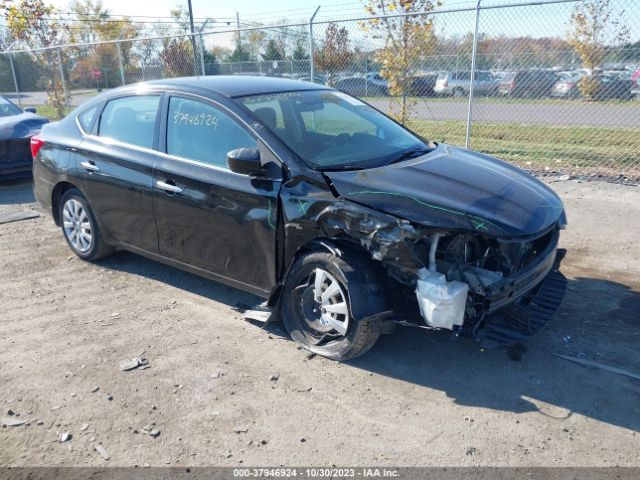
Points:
(86, 118)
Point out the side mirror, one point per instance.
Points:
(245, 161)
(30, 109)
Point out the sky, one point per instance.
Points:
(536, 21)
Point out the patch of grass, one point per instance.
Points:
(48, 111)
(535, 146)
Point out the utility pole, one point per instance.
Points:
(238, 27)
(193, 37)
(202, 67)
(474, 54)
(311, 52)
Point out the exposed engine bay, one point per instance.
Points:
(472, 266)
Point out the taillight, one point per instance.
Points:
(36, 145)
(512, 85)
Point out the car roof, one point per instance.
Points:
(238, 85)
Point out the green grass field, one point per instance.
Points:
(539, 146)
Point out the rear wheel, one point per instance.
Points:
(317, 310)
(80, 228)
(458, 92)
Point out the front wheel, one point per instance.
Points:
(80, 228)
(317, 310)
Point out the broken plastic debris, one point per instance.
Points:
(133, 363)
(103, 452)
(12, 422)
(260, 313)
(151, 430)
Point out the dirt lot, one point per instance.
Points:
(415, 399)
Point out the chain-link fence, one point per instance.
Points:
(551, 87)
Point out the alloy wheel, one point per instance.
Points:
(77, 225)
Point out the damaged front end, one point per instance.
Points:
(498, 290)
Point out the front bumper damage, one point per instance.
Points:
(513, 308)
(522, 319)
(497, 302)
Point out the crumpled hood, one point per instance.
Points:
(455, 188)
(24, 125)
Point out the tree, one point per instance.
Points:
(335, 52)
(282, 35)
(593, 25)
(272, 52)
(211, 63)
(254, 42)
(91, 16)
(407, 40)
(177, 57)
(300, 52)
(240, 54)
(95, 24)
(35, 23)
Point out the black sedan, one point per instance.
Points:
(16, 129)
(345, 221)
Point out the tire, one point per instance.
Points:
(80, 228)
(304, 326)
(458, 92)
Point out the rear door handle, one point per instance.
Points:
(168, 187)
(90, 166)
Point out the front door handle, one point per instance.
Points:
(168, 187)
(90, 166)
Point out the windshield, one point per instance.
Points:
(330, 130)
(7, 108)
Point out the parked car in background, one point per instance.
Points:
(635, 82)
(635, 78)
(347, 222)
(317, 78)
(16, 129)
(458, 83)
(251, 74)
(613, 86)
(376, 79)
(567, 87)
(361, 87)
(424, 85)
(529, 83)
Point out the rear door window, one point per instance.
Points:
(130, 119)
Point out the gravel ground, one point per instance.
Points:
(222, 391)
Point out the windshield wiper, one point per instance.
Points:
(341, 168)
(410, 153)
